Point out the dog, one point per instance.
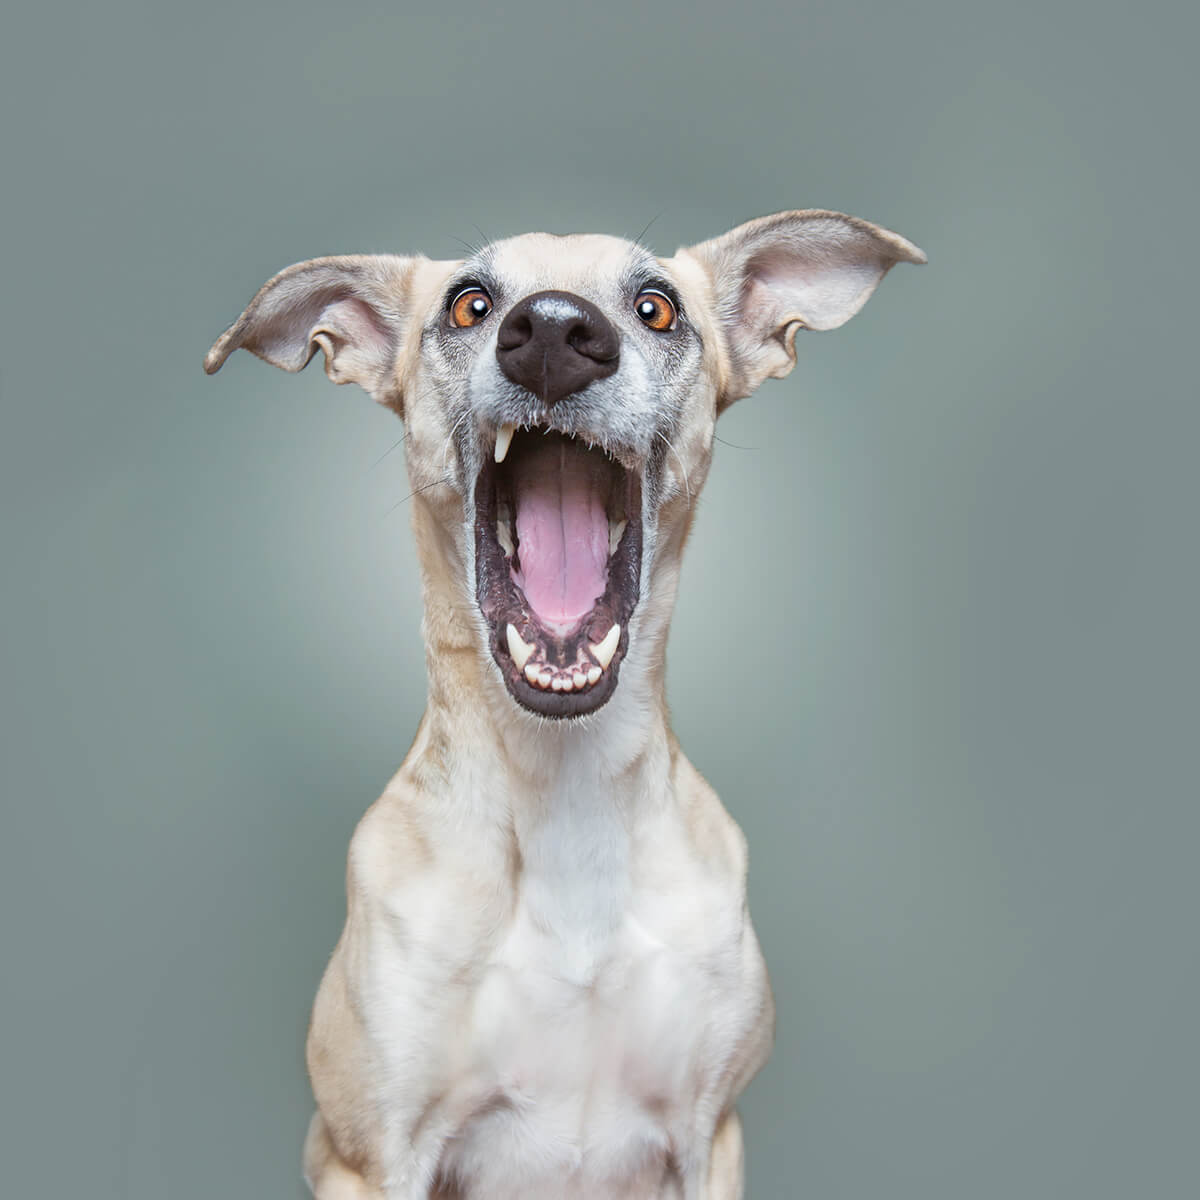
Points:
(548, 985)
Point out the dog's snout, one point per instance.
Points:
(556, 343)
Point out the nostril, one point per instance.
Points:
(597, 344)
(515, 331)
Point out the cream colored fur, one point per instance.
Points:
(548, 985)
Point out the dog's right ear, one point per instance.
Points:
(809, 269)
(353, 307)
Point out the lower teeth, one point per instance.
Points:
(572, 680)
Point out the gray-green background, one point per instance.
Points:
(936, 644)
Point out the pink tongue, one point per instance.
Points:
(562, 530)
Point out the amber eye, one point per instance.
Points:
(655, 309)
(469, 307)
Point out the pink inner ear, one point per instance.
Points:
(823, 285)
(356, 324)
(760, 304)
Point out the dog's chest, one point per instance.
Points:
(589, 1033)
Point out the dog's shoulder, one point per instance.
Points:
(716, 837)
(408, 869)
(390, 844)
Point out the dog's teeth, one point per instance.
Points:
(503, 441)
(504, 530)
(593, 676)
(608, 646)
(615, 533)
(544, 677)
(519, 649)
(579, 679)
(568, 684)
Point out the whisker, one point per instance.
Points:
(393, 446)
(450, 439)
(682, 468)
(417, 399)
(646, 227)
(423, 488)
(467, 245)
(733, 445)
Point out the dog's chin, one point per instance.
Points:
(558, 556)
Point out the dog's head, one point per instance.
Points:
(560, 395)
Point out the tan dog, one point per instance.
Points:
(548, 984)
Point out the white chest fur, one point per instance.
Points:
(564, 1000)
(598, 1018)
(583, 1077)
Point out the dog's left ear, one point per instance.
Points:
(353, 307)
(794, 270)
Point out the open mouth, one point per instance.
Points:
(558, 553)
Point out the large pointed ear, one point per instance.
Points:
(794, 270)
(353, 307)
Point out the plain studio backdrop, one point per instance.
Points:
(936, 638)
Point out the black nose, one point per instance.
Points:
(556, 343)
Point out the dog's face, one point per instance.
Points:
(561, 395)
(569, 376)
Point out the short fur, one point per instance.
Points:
(548, 985)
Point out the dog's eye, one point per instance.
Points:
(655, 309)
(469, 307)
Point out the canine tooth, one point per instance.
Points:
(503, 441)
(608, 646)
(531, 672)
(517, 647)
(544, 677)
(593, 675)
(579, 679)
(615, 533)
